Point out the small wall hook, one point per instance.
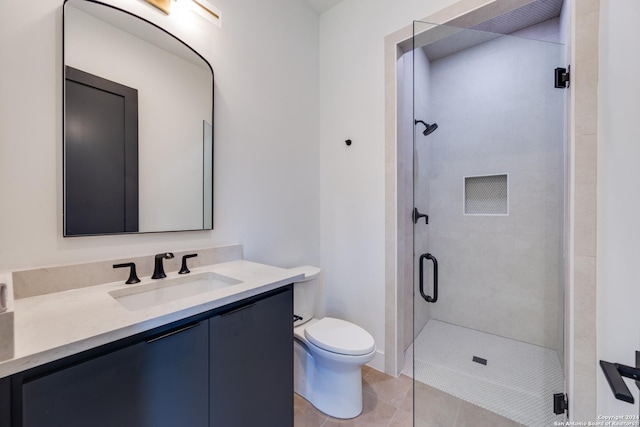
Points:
(348, 142)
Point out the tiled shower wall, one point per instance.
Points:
(420, 184)
(527, 141)
(498, 273)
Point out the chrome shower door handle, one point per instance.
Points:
(427, 298)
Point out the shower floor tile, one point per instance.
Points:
(517, 382)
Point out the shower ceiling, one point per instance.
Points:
(518, 19)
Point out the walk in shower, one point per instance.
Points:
(488, 132)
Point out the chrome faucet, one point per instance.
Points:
(158, 270)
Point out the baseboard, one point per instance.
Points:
(378, 361)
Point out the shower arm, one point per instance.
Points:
(428, 128)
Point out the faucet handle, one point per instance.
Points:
(184, 269)
(133, 277)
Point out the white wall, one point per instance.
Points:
(265, 135)
(352, 179)
(618, 280)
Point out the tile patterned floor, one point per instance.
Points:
(388, 402)
(517, 382)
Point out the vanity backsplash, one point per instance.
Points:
(6, 317)
(30, 283)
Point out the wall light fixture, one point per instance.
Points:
(208, 11)
(163, 5)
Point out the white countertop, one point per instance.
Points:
(50, 327)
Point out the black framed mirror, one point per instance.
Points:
(138, 135)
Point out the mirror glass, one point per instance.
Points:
(138, 136)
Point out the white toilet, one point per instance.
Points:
(328, 354)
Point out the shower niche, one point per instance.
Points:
(486, 195)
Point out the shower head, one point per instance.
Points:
(429, 128)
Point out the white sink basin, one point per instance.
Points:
(164, 291)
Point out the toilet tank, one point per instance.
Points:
(304, 293)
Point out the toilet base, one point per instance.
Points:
(333, 387)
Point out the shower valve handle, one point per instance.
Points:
(417, 215)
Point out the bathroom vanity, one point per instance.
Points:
(208, 348)
(220, 358)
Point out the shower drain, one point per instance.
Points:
(480, 360)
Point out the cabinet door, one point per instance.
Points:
(157, 383)
(251, 364)
(5, 402)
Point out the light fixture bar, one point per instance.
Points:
(163, 5)
(206, 7)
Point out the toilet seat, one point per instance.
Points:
(339, 336)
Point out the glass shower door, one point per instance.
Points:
(488, 234)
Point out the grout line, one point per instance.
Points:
(393, 417)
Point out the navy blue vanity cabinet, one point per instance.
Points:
(5, 402)
(228, 367)
(251, 364)
(160, 381)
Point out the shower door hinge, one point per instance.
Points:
(562, 77)
(560, 404)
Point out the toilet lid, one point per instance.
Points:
(340, 336)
